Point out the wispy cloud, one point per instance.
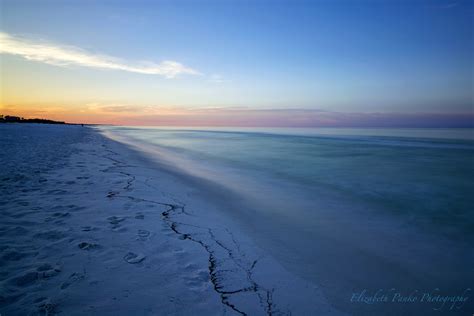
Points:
(61, 55)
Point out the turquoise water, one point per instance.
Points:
(429, 178)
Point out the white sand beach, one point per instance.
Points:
(90, 227)
(236, 158)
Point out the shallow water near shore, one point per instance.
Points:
(412, 177)
(350, 210)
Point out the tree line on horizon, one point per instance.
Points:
(18, 119)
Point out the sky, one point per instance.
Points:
(239, 63)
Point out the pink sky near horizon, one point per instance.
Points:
(237, 117)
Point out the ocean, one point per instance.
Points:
(347, 209)
(409, 172)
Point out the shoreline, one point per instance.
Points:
(104, 232)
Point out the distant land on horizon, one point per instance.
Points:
(18, 119)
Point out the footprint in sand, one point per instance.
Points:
(44, 271)
(111, 194)
(73, 278)
(88, 246)
(76, 207)
(199, 280)
(47, 271)
(143, 234)
(134, 258)
(47, 307)
(115, 221)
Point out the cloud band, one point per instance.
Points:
(59, 55)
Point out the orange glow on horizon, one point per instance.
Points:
(96, 113)
(93, 113)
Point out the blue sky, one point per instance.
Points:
(348, 56)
